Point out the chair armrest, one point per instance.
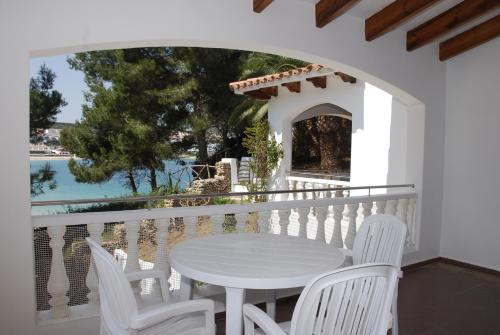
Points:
(144, 274)
(253, 315)
(160, 314)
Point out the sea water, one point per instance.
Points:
(67, 188)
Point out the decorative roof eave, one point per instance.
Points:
(277, 79)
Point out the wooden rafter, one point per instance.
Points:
(329, 10)
(447, 21)
(264, 93)
(260, 5)
(469, 39)
(319, 82)
(293, 86)
(393, 15)
(346, 78)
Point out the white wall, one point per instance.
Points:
(387, 142)
(471, 201)
(37, 28)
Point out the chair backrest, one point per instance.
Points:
(118, 304)
(380, 239)
(354, 300)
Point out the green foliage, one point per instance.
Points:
(265, 151)
(130, 115)
(45, 102)
(41, 178)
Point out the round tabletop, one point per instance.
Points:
(254, 261)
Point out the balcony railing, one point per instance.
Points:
(66, 282)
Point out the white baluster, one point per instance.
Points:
(380, 206)
(391, 207)
(284, 215)
(303, 220)
(217, 222)
(299, 186)
(263, 221)
(161, 261)
(367, 209)
(402, 213)
(190, 227)
(412, 207)
(58, 283)
(337, 227)
(95, 233)
(291, 187)
(321, 214)
(352, 212)
(241, 221)
(132, 236)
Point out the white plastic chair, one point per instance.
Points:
(119, 311)
(353, 300)
(381, 239)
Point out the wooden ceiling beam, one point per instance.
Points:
(319, 82)
(260, 5)
(469, 39)
(346, 78)
(447, 21)
(293, 86)
(329, 10)
(394, 15)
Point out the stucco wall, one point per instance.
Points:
(471, 220)
(36, 28)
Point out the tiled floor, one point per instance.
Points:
(436, 299)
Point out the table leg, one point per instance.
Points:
(271, 303)
(234, 310)
(186, 288)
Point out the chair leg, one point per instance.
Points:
(395, 326)
(271, 303)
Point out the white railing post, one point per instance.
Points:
(284, 220)
(390, 207)
(321, 214)
(241, 222)
(291, 187)
(367, 209)
(217, 223)
(410, 219)
(402, 214)
(161, 259)
(352, 212)
(58, 283)
(380, 206)
(132, 264)
(263, 221)
(190, 226)
(95, 233)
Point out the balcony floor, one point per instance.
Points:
(435, 299)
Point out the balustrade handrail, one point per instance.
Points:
(210, 195)
(39, 221)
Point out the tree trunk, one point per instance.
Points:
(131, 182)
(152, 179)
(328, 128)
(201, 142)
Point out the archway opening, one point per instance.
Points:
(321, 142)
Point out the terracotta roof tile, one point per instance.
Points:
(274, 77)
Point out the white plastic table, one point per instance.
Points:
(250, 261)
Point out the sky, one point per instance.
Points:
(69, 82)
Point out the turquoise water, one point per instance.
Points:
(68, 189)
